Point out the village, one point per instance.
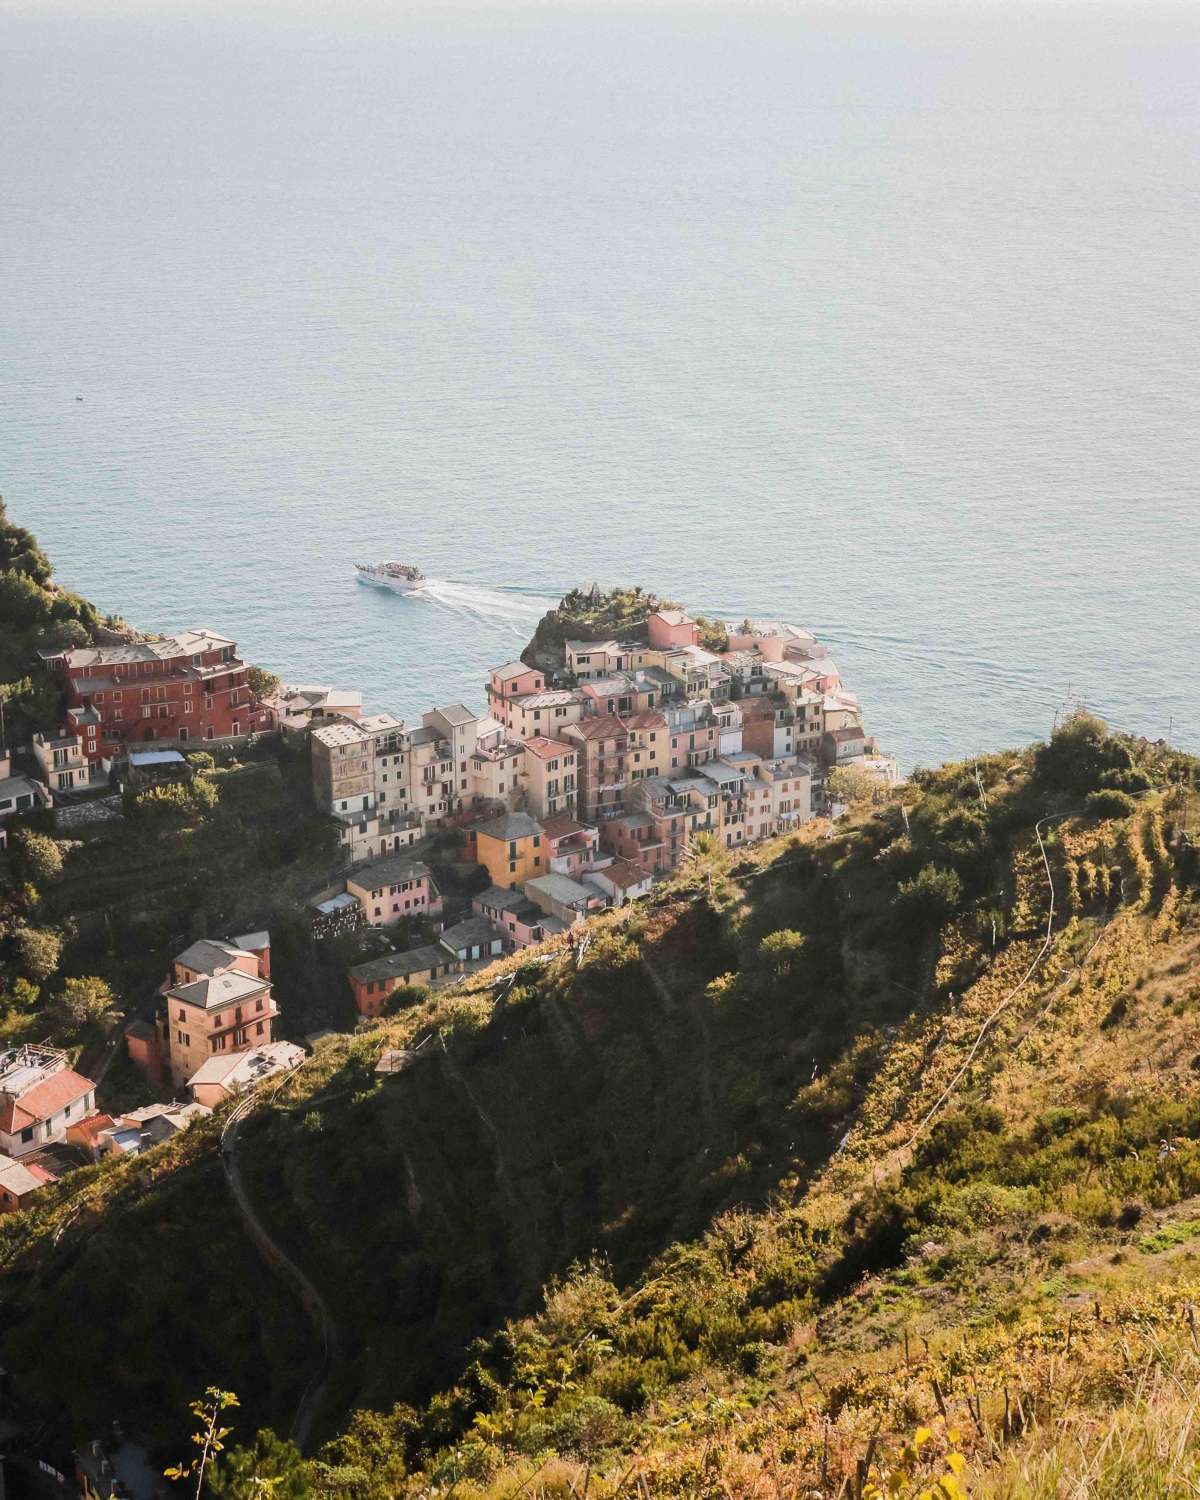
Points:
(573, 790)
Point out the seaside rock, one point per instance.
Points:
(591, 614)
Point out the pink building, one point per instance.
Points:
(520, 921)
(513, 680)
(668, 628)
(395, 887)
(570, 846)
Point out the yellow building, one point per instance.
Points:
(511, 849)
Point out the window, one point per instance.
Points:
(27, 1135)
(187, 708)
(259, 1029)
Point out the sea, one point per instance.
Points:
(883, 318)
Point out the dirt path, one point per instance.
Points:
(282, 1263)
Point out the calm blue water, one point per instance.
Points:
(883, 319)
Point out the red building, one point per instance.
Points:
(186, 687)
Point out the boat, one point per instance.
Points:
(401, 578)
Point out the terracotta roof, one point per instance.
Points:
(43, 1100)
(512, 669)
(545, 748)
(90, 1128)
(600, 727)
(647, 719)
(18, 1177)
(623, 873)
(562, 825)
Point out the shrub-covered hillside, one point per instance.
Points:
(884, 1134)
(597, 615)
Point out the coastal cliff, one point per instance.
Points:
(595, 614)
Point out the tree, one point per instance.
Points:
(1080, 752)
(930, 898)
(19, 551)
(39, 857)
(851, 785)
(1109, 803)
(262, 683)
(272, 1467)
(83, 1002)
(20, 995)
(38, 951)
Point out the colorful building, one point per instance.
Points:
(394, 887)
(40, 1097)
(550, 775)
(668, 628)
(603, 741)
(187, 687)
(216, 1002)
(510, 849)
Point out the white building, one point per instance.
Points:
(40, 1097)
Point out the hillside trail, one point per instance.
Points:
(281, 1262)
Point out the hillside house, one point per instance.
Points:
(187, 687)
(603, 741)
(19, 1181)
(40, 1097)
(394, 887)
(571, 847)
(668, 628)
(560, 896)
(519, 920)
(222, 1078)
(550, 776)
(217, 1002)
(60, 758)
(510, 848)
(476, 940)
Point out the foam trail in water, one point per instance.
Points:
(514, 608)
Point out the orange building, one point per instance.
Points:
(510, 848)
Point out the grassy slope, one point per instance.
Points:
(670, 1190)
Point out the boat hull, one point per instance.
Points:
(393, 585)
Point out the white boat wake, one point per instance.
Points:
(511, 607)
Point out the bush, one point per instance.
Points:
(83, 1002)
(38, 857)
(38, 951)
(929, 899)
(1109, 803)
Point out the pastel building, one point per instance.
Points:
(497, 765)
(546, 713)
(216, 1002)
(221, 1078)
(394, 887)
(668, 628)
(571, 847)
(61, 760)
(41, 1096)
(550, 776)
(519, 921)
(475, 941)
(190, 686)
(559, 896)
(513, 680)
(587, 660)
(511, 849)
(602, 741)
